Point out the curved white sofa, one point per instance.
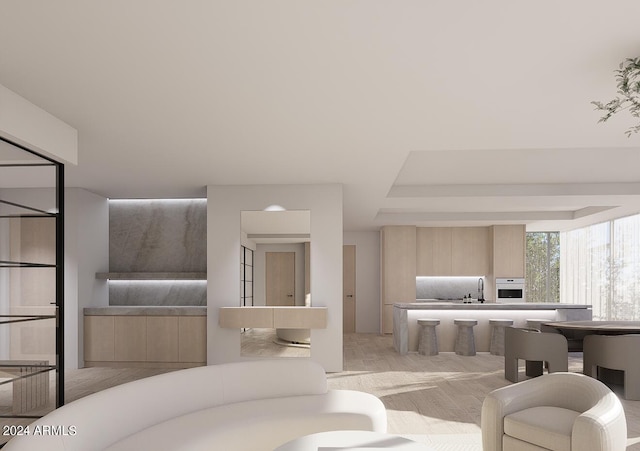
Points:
(255, 405)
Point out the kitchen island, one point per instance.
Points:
(406, 315)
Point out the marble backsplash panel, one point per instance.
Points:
(158, 236)
(446, 287)
(165, 293)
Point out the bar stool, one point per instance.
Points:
(496, 346)
(428, 344)
(465, 341)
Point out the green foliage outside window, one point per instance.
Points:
(543, 267)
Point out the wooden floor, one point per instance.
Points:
(442, 394)
(265, 343)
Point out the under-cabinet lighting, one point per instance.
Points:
(158, 281)
(150, 200)
(449, 277)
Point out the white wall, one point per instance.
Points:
(225, 204)
(26, 124)
(260, 267)
(86, 252)
(367, 280)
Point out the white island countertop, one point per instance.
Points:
(444, 305)
(405, 316)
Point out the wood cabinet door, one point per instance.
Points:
(398, 270)
(130, 338)
(280, 277)
(99, 336)
(349, 288)
(398, 264)
(509, 250)
(162, 338)
(470, 251)
(433, 251)
(192, 339)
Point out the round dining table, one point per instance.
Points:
(575, 331)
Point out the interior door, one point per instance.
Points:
(349, 288)
(280, 278)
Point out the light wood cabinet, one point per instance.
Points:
(99, 338)
(387, 319)
(192, 339)
(433, 251)
(145, 341)
(398, 267)
(470, 251)
(162, 338)
(452, 251)
(130, 338)
(508, 250)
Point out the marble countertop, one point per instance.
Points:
(486, 306)
(117, 310)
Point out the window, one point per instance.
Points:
(543, 267)
(600, 266)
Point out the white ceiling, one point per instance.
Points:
(429, 112)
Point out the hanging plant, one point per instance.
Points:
(628, 78)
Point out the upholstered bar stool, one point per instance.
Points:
(496, 345)
(465, 341)
(428, 344)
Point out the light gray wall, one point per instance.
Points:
(225, 203)
(367, 280)
(86, 253)
(259, 270)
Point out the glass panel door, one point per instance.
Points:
(31, 287)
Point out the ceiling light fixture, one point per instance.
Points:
(275, 207)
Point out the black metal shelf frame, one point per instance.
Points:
(247, 285)
(58, 316)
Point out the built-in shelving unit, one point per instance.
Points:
(151, 275)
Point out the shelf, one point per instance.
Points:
(24, 318)
(12, 264)
(152, 275)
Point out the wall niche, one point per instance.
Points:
(157, 252)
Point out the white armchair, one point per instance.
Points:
(559, 411)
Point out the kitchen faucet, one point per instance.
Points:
(480, 289)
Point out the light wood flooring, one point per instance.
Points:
(424, 395)
(265, 343)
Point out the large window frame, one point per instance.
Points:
(600, 267)
(542, 280)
